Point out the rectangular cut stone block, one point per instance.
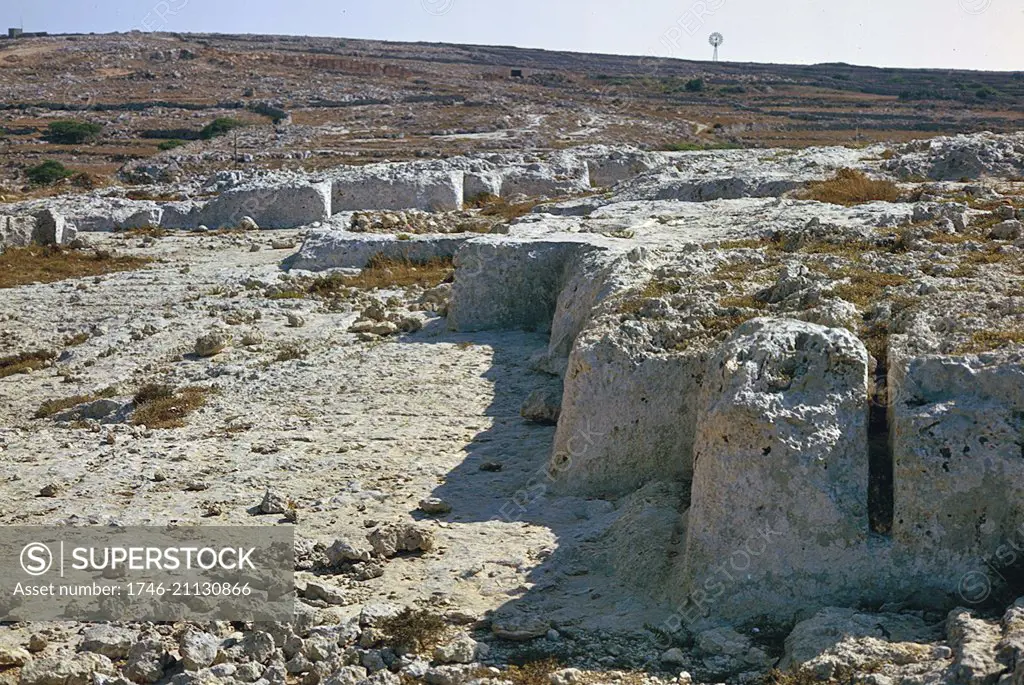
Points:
(16, 231)
(278, 206)
(958, 454)
(778, 521)
(397, 188)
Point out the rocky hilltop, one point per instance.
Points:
(581, 415)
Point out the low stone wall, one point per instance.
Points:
(277, 206)
(397, 187)
(330, 249)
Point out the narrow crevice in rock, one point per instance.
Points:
(880, 460)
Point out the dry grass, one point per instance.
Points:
(971, 263)
(25, 265)
(986, 341)
(532, 672)
(851, 187)
(741, 302)
(51, 407)
(25, 362)
(388, 273)
(492, 205)
(414, 630)
(161, 406)
(145, 232)
(863, 286)
(76, 339)
(652, 290)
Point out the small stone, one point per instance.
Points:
(393, 539)
(252, 337)
(553, 636)
(367, 571)
(566, 676)
(491, 466)
(1007, 230)
(198, 649)
(673, 657)
(110, 641)
(80, 669)
(343, 551)
(37, 642)
(146, 661)
(296, 320)
(50, 490)
(519, 627)
(255, 247)
(273, 503)
(372, 660)
(159, 476)
(347, 675)
(324, 593)
(384, 328)
(434, 506)
(248, 224)
(461, 650)
(410, 324)
(258, 646)
(362, 326)
(210, 344)
(543, 407)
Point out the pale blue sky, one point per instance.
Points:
(971, 34)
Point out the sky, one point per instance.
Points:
(962, 34)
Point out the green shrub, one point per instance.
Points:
(48, 172)
(695, 85)
(170, 144)
(70, 132)
(219, 127)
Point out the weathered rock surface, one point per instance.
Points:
(780, 469)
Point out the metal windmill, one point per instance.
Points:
(716, 39)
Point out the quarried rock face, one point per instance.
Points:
(326, 249)
(398, 187)
(780, 479)
(502, 283)
(16, 231)
(277, 206)
(627, 419)
(957, 436)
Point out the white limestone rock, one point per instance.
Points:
(332, 249)
(956, 426)
(830, 626)
(279, 205)
(780, 471)
(397, 186)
